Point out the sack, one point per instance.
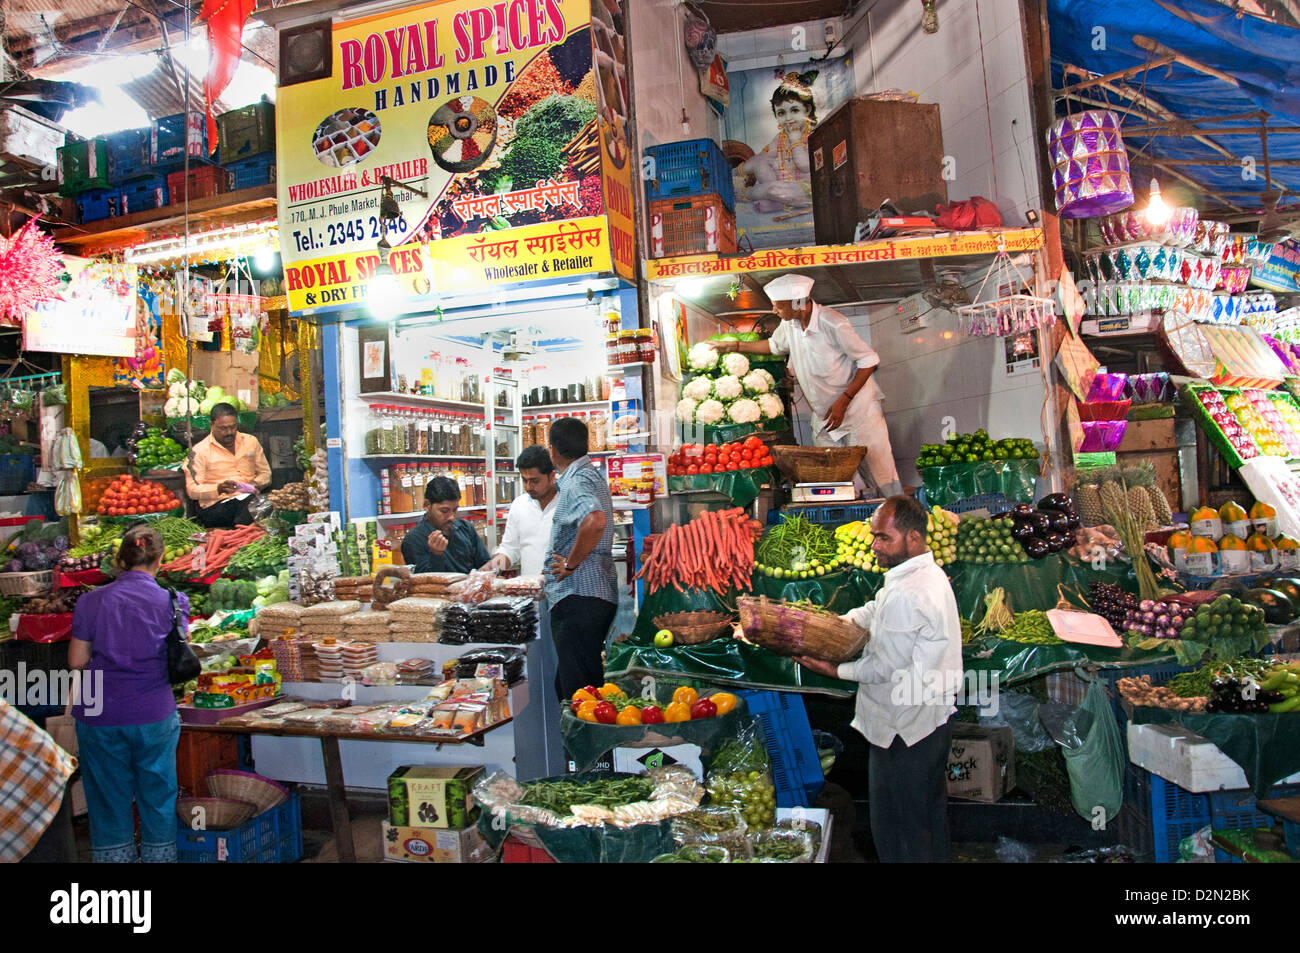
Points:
(975, 212)
(1096, 767)
(182, 664)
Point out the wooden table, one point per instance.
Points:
(334, 783)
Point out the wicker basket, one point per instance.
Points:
(26, 583)
(246, 786)
(218, 813)
(692, 628)
(818, 464)
(820, 634)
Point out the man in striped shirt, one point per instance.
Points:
(581, 587)
(34, 771)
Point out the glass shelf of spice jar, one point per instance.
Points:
(422, 456)
(421, 399)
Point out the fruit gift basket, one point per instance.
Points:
(787, 629)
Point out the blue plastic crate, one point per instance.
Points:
(170, 140)
(99, 204)
(145, 195)
(1291, 834)
(252, 172)
(829, 515)
(128, 155)
(796, 768)
(692, 167)
(1175, 814)
(1236, 810)
(16, 471)
(273, 837)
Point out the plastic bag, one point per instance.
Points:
(696, 854)
(783, 845)
(722, 826)
(1058, 719)
(1019, 712)
(1096, 767)
(54, 395)
(741, 777)
(67, 494)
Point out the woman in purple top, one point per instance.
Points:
(128, 735)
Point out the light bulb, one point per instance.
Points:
(1158, 211)
(264, 260)
(385, 297)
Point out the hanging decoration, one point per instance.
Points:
(1009, 312)
(1089, 165)
(225, 20)
(30, 267)
(701, 40)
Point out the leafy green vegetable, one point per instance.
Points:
(560, 796)
(556, 120)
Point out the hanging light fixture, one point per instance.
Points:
(929, 16)
(386, 297)
(1158, 211)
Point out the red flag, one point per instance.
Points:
(225, 20)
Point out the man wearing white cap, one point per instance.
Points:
(834, 368)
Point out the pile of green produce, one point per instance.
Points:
(975, 448)
(268, 401)
(741, 778)
(154, 450)
(1223, 629)
(11, 446)
(559, 797)
(96, 538)
(1032, 628)
(178, 536)
(796, 549)
(989, 541)
(696, 854)
(233, 594)
(264, 556)
(272, 589)
(1196, 683)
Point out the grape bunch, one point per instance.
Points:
(1111, 603)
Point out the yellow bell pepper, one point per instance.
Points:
(686, 695)
(582, 695)
(610, 690)
(725, 702)
(587, 710)
(677, 711)
(631, 715)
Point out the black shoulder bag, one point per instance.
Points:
(182, 664)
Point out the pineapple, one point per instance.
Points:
(1089, 500)
(1113, 501)
(1164, 514)
(1144, 514)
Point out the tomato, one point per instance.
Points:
(765, 462)
(692, 470)
(733, 465)
(707, 468)
(752, 442)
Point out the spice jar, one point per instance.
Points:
(645, 344)
(543, 431)
(597, 430)
(374, 430)
(627, 349)
(611, 349)
(385, 493)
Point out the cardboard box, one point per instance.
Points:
(981, 762)
(234, 371)
(422, 845)
(432, 796)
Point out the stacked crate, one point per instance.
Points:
(692, 199)
(246, 140)
(178, 151)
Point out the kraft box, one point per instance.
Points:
(422, 845)
(981, 762)
(432, 796)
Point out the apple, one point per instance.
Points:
(663, 638)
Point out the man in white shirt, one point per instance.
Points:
(908, 677)
(528, 523)
(834, 367)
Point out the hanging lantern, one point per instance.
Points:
(1089, 165)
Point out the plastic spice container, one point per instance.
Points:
(597, 429)
(501, 440)
(480, 485)
(399, 488)
(419, 476)
(627, 347)
(385, 492)
(542, 433)
(611, 349)
(645, 345)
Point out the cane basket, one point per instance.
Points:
(796, 630)
(818, 464)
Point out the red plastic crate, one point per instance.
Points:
(699, 225)
(201, 182)
(515, 851)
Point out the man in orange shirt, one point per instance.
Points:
(223, 469)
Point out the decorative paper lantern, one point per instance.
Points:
(1089, 165)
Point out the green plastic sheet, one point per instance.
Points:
(741, 486)
(1021, 661)
(1014, 479)
(1038, 584)
(638, 844)
(730, 433)
(1266, 746)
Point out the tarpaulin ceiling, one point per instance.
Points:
(1098, 35)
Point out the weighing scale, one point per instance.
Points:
(824, 493)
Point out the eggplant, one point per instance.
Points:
(1042, 524)
(1073, 519)
(1021, 510)
(1057, 542)
(1022, 531)
(1060, 523)
(1055, 503)
(1036, 548)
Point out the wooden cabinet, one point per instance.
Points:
(868, 151)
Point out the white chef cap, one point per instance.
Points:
(788, 288)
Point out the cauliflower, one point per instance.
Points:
(702, 357)
(173, 407)
(698, 389)
(744, 411)
(770, 406)
(710, 412)
(194, 407)
(736, 365)
(686, 409)
(760, 382)
(727, 387)
(176, 390)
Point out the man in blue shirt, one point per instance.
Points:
(581, 587)
(441, 542)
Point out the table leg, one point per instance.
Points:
(338, 794)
